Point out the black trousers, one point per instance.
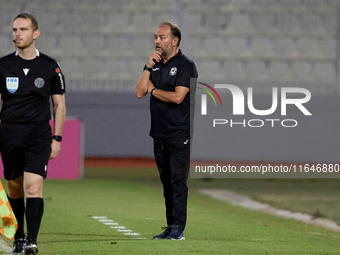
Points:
(173, 161)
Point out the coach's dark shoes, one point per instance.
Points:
(30, 247)
(176, 233)
(164, 234)
(18, 245)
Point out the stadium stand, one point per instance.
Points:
(278, 42)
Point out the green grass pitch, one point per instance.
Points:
(213, 227)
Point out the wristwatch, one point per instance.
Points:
(57, 138)
(151, 92)
(147, 68)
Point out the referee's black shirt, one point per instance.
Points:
(170, 120)
(27, 85)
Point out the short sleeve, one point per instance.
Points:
(185, 73)
(58, 80)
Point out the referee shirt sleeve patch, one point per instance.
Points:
(58, 81)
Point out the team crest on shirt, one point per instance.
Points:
(12, 84)
(173, 71)
(39, 82)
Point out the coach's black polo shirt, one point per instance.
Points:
(27, 85)
(170, 120)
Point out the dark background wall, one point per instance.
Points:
(117, 125)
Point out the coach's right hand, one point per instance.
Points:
(154, 58)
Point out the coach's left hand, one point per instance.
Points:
(150, 86)
(55, 149)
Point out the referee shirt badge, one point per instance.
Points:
(12, 84)
(173, 71)
(39, 82)
(26, 70)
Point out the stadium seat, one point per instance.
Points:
(159, 17)
(307, 47)
(257, 69)
(93, 44)
(136, 67)
(311, 23)
(290, 2)
(325, 71)
(302, 70)
(279, 70)
(265, 2)
(209, 69)
(94, 68)
(288, 23)
(314, 3)
(262, 47)
(195, 48)
(142, 23)
(143, 45)
(118, 23)
(238, 46)
(265, 22)
(330, 22)
(7, 45)
(72, 45)
(234, 70)
(194, 22)
(285, 47)
(239, 24)
(213, 46)
(6, 17)
(217, 22)
(51, 21)
(327, 47)
(70, 67)
(50, 45)
(119, 44)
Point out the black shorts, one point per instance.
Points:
(25, 147)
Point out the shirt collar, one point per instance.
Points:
(178, 54)
(38, 53)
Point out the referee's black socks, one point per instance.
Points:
(18, 207)
(34, 213)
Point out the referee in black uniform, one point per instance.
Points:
(166, 78)
(28, 80)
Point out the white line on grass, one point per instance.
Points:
(105, 221)
(115, 225)
(98, 217)
(240, 200)
(133, 234)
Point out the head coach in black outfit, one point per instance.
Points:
(28, 80)
(166, 78)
